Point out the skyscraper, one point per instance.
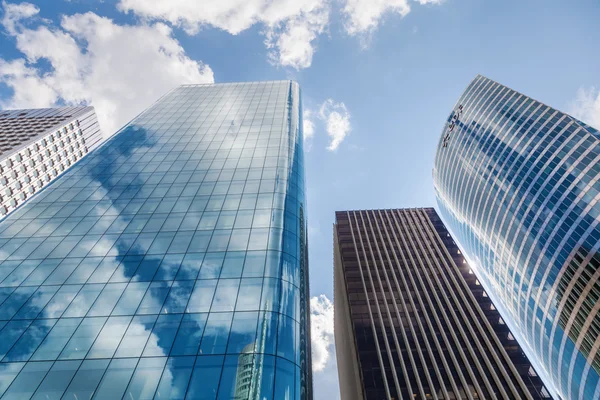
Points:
(517, 183)
(411, 319)
(38, 145)
(167, 259)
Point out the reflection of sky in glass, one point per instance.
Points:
(518, 185)
(150, 266)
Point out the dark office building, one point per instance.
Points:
(412, 321)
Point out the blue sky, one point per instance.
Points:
(379, 77)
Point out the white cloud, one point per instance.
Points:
(291, 26)
(118, 69)
(309, 128)
(363, 16)
(13, 13)
(337, 122)
(321, 329)
(586, 106)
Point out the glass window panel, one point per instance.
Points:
(190, 266)
(8, 372)
(169, 267)
(219, 240)
(84, 246)
(61, 300)
(84, 270)
(116, 378)
(258, 239)
(199, 243)
(30, 340)
(236, 378)
(107, 299)
(286, 338)
(109, 338)
(10, 334)
(163, 335)
(216, 333)
(254, 265)
(161, 243)
(136, 336)
(56, 340)
(290, 300)
(189, 335)
(233, 264)
(131, 298)
(27, 381)
(65, 247)
(270, 294)
(86, 380)
(208, 221)
(84, 300)
(7, 267)
(175, 378)
(180, 242)
(57, 380)
(267, 331)
(83, 338)
(249, 294)
(205, 378)
(178, 297)
(211, 265)
(239, 240)
(146, 269)
(37, 302)
(154, 298)
(19, 274)
(145, 379)
(284, 380)
(226, 220)
(43, 270)
(225, 295)
(242, 338)
(191, 221)
(267, 382)
(262, 218)
(105, 270)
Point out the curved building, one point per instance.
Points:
(517, 183)
(167, 259)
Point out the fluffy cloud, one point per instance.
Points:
(586, 106)
(118, 69)
(363, 16)
(321, 329)
(337, 122)
(291, 26)
(309, 128)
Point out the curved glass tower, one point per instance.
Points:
(517, 183)
(170, 263)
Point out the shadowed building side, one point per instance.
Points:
(411, 319)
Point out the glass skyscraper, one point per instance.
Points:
(169, 263)
(517, 183)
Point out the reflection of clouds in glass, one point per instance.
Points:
(225, 295)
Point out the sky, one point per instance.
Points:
(378, 79)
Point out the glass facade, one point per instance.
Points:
(169, 263)
(517, 183)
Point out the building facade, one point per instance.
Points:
(517, 183)
(169, 263)
(38, 145)
(412, 321)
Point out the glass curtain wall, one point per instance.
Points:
(170, 263)
(518, 183)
